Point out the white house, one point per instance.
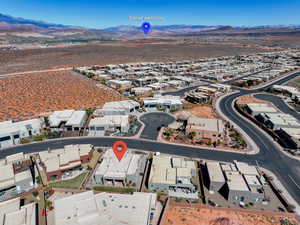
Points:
(11, 132)
(164, 102)
(128, 106)
(71, 119)
(113, 123)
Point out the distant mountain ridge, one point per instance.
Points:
(15, 30)
(21, 23)
(10, 23)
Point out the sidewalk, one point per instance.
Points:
(280, 186)
(253, 148)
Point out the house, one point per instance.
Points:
(123, 84)
(197, 97)
(11, 132)
(67, 120)
(285, 89)
(238, 182)
(138, 91)
(221, 87)
(58, 162)
(144, 81)
(205, 129)
(207, 90)
(162, 102)
(76, 121)
(100, 126)
(256, 108)
(113, 172)
(87, 208)
(12, 212)
(237, 190)
(128, 106)
(275, 121)
(172, 174)
(215, 174)
(17, 172)
(290, 137)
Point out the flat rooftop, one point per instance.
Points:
(166, 170)
(236, 181)
(113, 168)
(104, 209)
(12, 213)
(215, 172)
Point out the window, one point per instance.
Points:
(5, 138)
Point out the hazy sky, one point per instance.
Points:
(106, 13)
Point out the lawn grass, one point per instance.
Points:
(72, 183)
(121, 190)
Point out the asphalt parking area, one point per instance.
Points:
(153, 122)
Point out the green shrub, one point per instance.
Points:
(38, 138)
(25, 141)
(35, 193)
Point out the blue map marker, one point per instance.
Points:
(146, 27)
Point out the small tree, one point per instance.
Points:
(168, 132)
(35, 193)
(193, 134)
(89, 111)
(209, 142)
(48, 204)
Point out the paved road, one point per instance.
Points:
(153, 122)
(279, 103)
(33, 72)
(269, 156)
(180, 92)
(241, 77)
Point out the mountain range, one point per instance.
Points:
(10, 23)
(19, 31)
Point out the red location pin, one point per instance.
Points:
(120, 149)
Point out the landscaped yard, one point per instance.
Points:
(114, 189)
(74, 183)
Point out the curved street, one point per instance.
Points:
(279, 103)
(270, 156)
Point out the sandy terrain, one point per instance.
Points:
(28, 96)
(294, 83)
(202, 215)
(250, 99)
(112, 52)
(202, 111)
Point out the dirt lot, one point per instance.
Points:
(113, 52)
(250, 99)
(28, 96)
(294, 83)
(202, 111)
(179, 214)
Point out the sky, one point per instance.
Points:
(107, 13)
